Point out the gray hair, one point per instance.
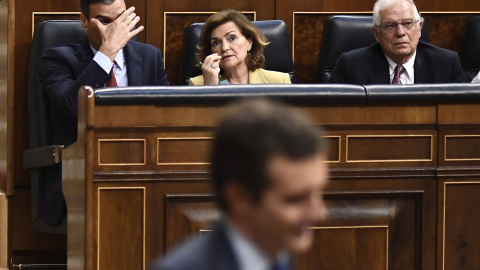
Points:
(381, 5)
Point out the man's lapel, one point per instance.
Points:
(134, 66)
(223, 249)
(84, 53)
(421, 70)
(381, 74)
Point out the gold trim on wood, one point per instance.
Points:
(448, 12)
(388, 136)
(50, 13)
(349, 227)
(444, 207)
(189, 13)
(457, 159)
(181, 139)
(123, 140)
(320, 13)
(144, 218)
(339, 148)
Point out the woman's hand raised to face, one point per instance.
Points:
(211, 69)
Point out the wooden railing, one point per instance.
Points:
(405, 167)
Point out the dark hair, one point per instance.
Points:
(255, 58)
(85, 5)
(251, 133)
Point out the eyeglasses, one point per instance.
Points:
(391, 26)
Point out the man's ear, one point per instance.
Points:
(375, 33)
(84, 21)
(420, 25)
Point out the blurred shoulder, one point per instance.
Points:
(212, 251)
(432, 49)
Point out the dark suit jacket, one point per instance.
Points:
(370, 66)
(210, 252)
(64, 70)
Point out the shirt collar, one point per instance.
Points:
(119, 57)
(248, 255)
(408, 66)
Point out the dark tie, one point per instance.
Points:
(112, 82)
(396, 77)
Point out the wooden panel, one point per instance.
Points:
(175, 24)
(45, 16)
(355, 248)
(207, 116)
(121, 228)
(121, 152)
(453, 23)
(394, 240)
(355, 235)
(389, 148)
(188, 214)
(458, 113)
(459, 147)
(158, 116)
(461, 241)
(334, 149)
(183, 150)
(285, 8)
(462, 147)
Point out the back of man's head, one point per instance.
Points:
(85, 5)
(251, 133)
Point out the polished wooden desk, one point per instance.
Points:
(403, 193)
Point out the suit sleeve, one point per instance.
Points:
(458, 74)
(341, 71)
(61, 82)
(161, 74)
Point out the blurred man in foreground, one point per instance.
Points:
(269, 171)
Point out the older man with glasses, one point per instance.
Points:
(398, 57)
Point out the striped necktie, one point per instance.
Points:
(396, 74)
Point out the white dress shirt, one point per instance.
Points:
(249, 256)
(407, 77)
(476, 79)
(119, 69)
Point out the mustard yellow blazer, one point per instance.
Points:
(258, 76)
